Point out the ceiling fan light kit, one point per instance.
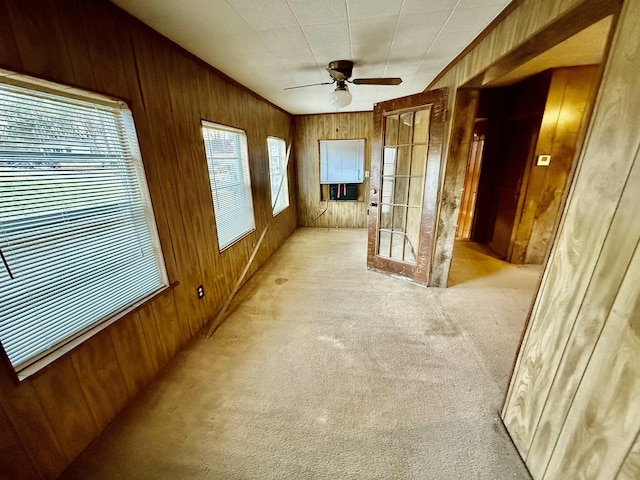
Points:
(341, 96)
(340, 72)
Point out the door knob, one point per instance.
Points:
(373, 204)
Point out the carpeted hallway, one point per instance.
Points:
(325, 370)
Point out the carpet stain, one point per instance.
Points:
(333, 341)
(438, 325)
(280, 281)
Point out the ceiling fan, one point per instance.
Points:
(340, 72)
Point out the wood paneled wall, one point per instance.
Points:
(48, 419)
(542, 190)
(309, 130)
(573, 407)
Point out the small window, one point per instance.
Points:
(278, 173)
(341, 161)
(78, 241)
(228, 162)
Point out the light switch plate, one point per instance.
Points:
(543, 160)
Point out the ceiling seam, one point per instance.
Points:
(444, 24)
(395, 31)
(242, 18)
(346, 6)
(304, 34)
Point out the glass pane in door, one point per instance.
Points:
(403, 171)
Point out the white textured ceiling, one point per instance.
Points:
(268, 45)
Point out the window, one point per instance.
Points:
(341, 161)
(228, 162)
(278, 173)
(342, 170)
(78, 241)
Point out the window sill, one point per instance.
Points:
(49, 358)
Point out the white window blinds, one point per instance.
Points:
(77, 234)
(278, 174)
(228, 162)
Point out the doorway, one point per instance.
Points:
(534, 121)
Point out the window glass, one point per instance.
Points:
(278, 174)
(78, 241)
(228, 164)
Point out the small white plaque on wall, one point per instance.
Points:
(342, 161)
(543, 160)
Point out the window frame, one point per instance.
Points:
(283, 181)
(146, 223)
(244, 167)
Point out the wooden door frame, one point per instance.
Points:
(421, 271)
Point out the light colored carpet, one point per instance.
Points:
(325, 370)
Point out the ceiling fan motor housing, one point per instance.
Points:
(344, 67)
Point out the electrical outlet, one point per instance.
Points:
(200, 292)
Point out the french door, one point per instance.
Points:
(405, 172)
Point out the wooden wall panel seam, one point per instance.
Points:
(147, 105)
(26, 451)
(130, 393)
(46, 409)
(630, 468)
(8, 48)
(84, 394)
(605, 367)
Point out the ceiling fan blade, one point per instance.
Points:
(377, 81)
(310, 85)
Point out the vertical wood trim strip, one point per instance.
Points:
(630, 469)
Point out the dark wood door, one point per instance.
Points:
(471, 179)
(405, 171)
(518, 151)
